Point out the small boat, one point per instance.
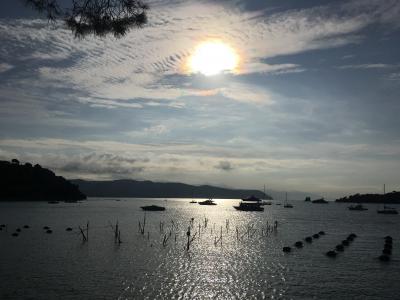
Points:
(320, 201)
(287, 205)
(207, 202)
(249, 206)
(388, 210)
(357, 207)
(153, 208)
(193, 201)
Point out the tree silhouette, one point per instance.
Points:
(97, 17)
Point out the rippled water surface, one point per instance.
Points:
(37, 265)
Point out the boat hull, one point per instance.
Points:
(249, 208)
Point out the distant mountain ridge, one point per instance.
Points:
(150, 189)
(34, 183)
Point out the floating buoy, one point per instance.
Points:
(353, 235)
(345, 243)
(388, 237)
(387, 251)
(350, 238)
(339, 247)
(308, 239)
(15, 234)
(26, 226)
(68, 229)
(287, 249)
(316, 236)
(46, 227)
(3, 225)
(1, 228)
(18, 230)
(49, 231)
(331, 253)
(321, 232)
(388, 242)
(388, 246)
(384, 258)
(298, 244)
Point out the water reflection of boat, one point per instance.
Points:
(153, 208)
(207, 202)
(357, 207)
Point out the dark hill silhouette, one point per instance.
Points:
(149, 189)
(27, 182)
(389, 198)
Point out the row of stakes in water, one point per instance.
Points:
(308, 239)
(387, 249)
(340, 247)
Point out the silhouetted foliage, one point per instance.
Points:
(393, 197)
(98, 17)
(15, 161)
(22, 182)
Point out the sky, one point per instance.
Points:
(312, 106)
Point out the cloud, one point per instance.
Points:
(224, 166)
(108, 71)
(4, 67)
(367, 66)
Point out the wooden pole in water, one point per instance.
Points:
(87, 230)
(188, 239)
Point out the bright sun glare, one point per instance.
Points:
(212, 58)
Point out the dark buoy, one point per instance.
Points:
(316, 236)
(388, 246)
(387, 251)
(388, 242)
(384, 258)
(1, 228)
(26, 226)
(345, 243)
(287, 249)
(299, 244)
(331, 253)
(321, 233)
(388, 237)
(353, 235)
(15, 234)
(350, 239)
(46, 227)
(18, 230)
(308, 239)
(68, 229)
(49, 231)
(339, 248)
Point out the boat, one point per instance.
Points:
(250, 205)
(308, 199)
(193, 201)
(207, 202)
(266, 203)
(357, 207)
(386, 209)
(287, 205)
(153, 208)
(320, 201)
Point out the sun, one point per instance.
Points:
(212, 58)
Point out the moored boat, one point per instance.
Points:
(153, 208)
(357, 207)
(207, 202)
(249, 206)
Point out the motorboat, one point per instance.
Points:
(153, 208)
(357, 207)
(207, 202)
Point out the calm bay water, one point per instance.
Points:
(36, 265)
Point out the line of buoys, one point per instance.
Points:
(387, 249)
(340, 247)
(308, 239)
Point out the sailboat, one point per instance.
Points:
(265, 202)
(386, 209)
(287, 205)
